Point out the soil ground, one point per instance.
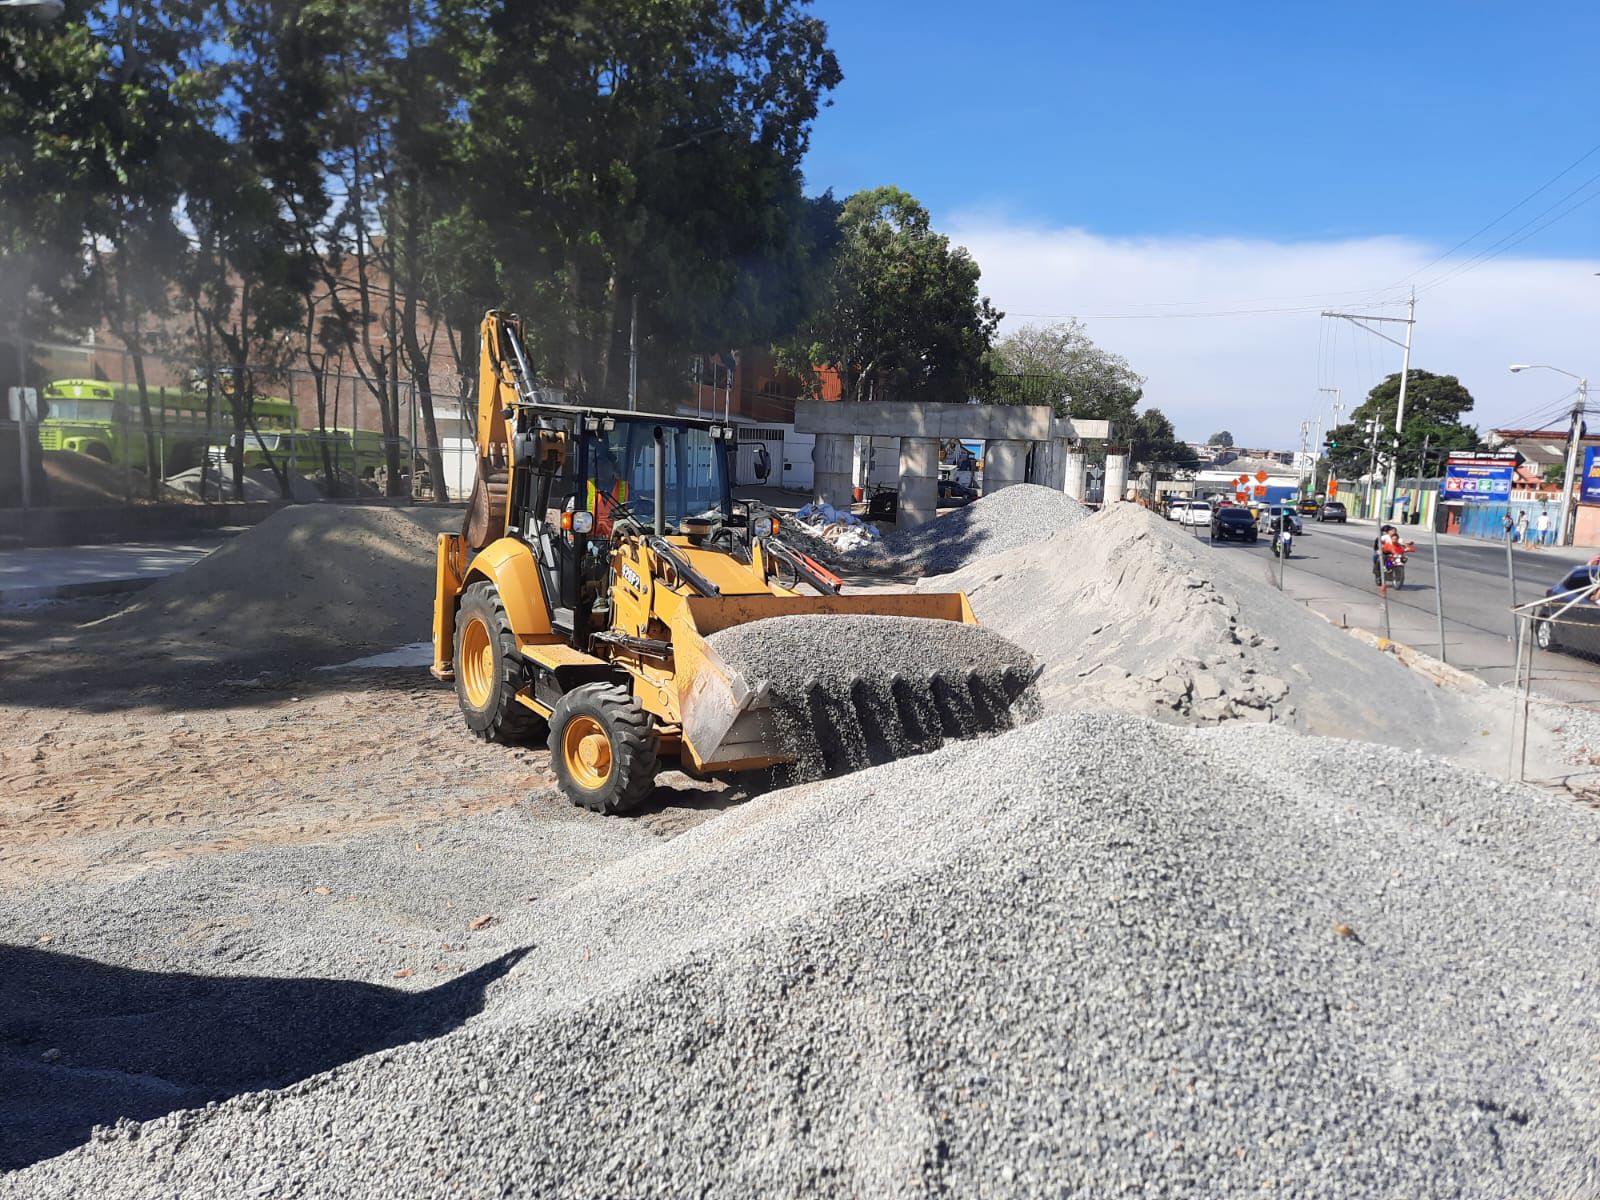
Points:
(116, 763)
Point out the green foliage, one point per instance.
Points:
(1223, 439)
(1434, 406)
(900, 315)
(1062, 363)
(1154, 443)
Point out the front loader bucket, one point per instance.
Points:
(764, 709)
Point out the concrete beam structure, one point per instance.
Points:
(1005, 462)
(897, 418)
(1116, 474)
(919, 482)
(1008, 432)
(833, 463)
(1077, 463)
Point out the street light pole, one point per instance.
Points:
(1568, 513)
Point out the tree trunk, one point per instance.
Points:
(152, 453)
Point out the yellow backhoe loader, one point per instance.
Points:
(601, 549)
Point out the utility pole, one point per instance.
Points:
(1409, 320)
(1574, 438)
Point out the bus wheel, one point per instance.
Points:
(96, 450)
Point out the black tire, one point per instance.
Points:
(487, 689)
(1544, 635)
(1398, 574)
(631, 748)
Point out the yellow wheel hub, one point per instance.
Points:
(587, 751)
(476, 663)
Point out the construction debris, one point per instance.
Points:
(838, 527)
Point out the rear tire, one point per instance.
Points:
(488, 669)
(1544, 635)
(602, 748)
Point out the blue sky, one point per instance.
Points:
(1214, 153)
(1288, 120)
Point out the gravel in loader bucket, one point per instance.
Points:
(849, 692)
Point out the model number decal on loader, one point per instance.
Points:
(632, 577)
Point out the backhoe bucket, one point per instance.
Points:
(732, 721)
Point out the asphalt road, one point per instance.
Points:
(1331, 571)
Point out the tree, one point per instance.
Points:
(1154, 443)
(1223, 439)
(1060, 364)
(646, 158)
(1434, 405)
(900, 315)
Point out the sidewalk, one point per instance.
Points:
(53, 572)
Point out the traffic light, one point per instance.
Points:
(1330, 443)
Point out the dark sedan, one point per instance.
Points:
(1234, 523)
(1570, 619)
(1332, 511)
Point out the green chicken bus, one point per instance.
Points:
(104, 421)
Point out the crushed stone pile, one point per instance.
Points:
(854, 691)
(1014, 516)
(1128, 613)
(318, 582)
(1094, 956)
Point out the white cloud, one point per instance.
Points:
(1257, 373)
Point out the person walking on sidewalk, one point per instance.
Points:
(1508, 526)
(1522, 527)
(1544, 526)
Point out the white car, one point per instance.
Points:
(1285, 510)
(1195, 512)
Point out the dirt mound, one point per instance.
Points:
(1129, 614)
(854, 691)
(83, 481)
(1092, 957)
(322, 582)
(259, 484)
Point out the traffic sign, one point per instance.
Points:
(1262, 477)
(1333, 487)
(1261, 490)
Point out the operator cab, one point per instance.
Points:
(589, 473)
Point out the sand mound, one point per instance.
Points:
(307, 583)
(1095, 957)
(1129, 614)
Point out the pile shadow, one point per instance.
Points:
(85, 1044)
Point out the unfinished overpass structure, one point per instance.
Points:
(1015, 437)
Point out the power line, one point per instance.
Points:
(1484, 255)
(1590, 153)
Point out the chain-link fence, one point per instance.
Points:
(95, 437)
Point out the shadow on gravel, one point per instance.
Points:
(84, 1044)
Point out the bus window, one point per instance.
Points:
(82, 410)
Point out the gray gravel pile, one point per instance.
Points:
(323, 582)
(1130, 614)
(850, 692)
(1112, 959)
(1014, 516)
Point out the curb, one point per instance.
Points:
(68, 591)
(1441, 673)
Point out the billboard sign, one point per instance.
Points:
(1589, 485)
(1478, 479)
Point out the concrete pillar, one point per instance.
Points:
(832, 461)
(919, 482)
(1116, 475)
(1004, 463)
(1077, 464)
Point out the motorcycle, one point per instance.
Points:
(1390, 568)
(1283, 543)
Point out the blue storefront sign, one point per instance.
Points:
(1591, 475)
(1478, 480)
